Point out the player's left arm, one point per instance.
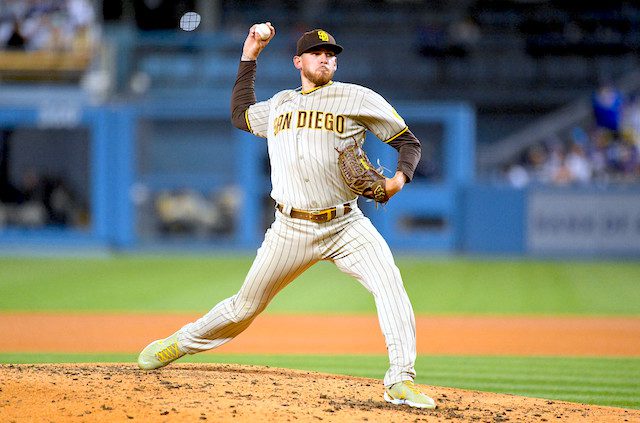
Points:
(409, 152)
(378, 116)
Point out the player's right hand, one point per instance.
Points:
(253, 45)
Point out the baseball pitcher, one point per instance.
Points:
(314, 136)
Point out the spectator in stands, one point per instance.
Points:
(563, 173)
(599, 142)
(622, 161)
(517, 175)
(553, 170)
(16, 41)
(535, 161)
(8, 20)
(47, 24)
(631, 121)
(81, 20)
(607, 103)
(552, 163)
(578, 165)
(51, 196)
(36, 200)
(582, 159)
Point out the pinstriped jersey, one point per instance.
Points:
(303, 131)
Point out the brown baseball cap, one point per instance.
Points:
(317, 38)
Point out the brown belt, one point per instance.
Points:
(319, 216)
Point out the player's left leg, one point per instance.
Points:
(366, 256)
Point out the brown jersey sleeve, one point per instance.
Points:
(409, 152)
(243, 94)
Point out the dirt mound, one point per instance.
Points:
(211, 392)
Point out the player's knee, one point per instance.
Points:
(245, 310)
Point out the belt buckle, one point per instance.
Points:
(319, 214)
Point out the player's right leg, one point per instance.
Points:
(286, 252)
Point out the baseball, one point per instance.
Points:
(190, 21)
(263, 31)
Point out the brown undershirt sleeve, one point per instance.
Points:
(243, 94)
(409, 153)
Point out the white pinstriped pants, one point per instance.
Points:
(290, 247)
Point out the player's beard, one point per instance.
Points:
(320, 77)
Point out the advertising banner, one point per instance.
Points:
(577, 222)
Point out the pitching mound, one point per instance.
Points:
(209, 392)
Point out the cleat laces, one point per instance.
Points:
(412, 387)
(171, 352)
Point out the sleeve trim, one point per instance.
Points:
(397, 135)
(246, 118)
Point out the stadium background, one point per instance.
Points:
(125, 189)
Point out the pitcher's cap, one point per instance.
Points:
(317, 38)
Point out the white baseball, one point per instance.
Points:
(190, 21)
(263, 31)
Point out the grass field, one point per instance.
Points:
(436, 286)
(439, 286)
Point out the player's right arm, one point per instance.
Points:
(253, 45)
(243, 96)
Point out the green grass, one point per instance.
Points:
(436, 286)
(602, 381)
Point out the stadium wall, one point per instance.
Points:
(552, 221)
(139, 151)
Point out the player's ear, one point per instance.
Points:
(297, 62)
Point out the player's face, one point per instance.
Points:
(318, 66)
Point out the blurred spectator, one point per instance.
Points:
(555, 168)
(82, 20)
(631, 121)
(518, 176)
(608, 153)
(36, 200)
(598, 154)
(16, 41)
(622, 161)
(607, 107)
(57, 25)
(578, 164)
(581, 159)
(187, 211)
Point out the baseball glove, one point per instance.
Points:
(360, 175)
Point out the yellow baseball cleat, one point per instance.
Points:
(406, 393)
(160, 353)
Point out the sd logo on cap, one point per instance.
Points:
(314, 39)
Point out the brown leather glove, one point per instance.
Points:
(360, 175)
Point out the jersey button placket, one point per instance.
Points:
(299, 150)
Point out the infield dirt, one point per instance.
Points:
(222, 393)
(315, 334)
